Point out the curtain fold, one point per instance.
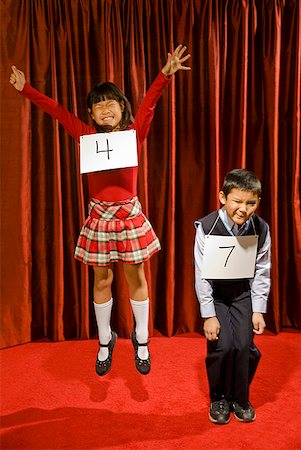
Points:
(239, 106)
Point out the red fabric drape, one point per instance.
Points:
(238, 107)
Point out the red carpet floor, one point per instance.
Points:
(52, 399)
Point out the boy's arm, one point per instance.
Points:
(74, 126)
(146, 109)
(203, 287)
(261, 283)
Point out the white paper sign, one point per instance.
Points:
(105, 151)
(229, 257)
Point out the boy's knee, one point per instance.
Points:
(224, 347)
(242, 347)
(228, 350)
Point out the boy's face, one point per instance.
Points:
(107, 113)
(239, 205)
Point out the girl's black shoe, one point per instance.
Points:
(103, 367)
(142, 365)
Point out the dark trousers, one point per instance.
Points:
(232, 360)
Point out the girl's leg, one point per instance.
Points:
(103, 278)
(135, 276)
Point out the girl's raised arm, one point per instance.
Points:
(74, 126)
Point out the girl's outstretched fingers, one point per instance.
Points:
(175, 60)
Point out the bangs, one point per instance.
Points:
(102, 92)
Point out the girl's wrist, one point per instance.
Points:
(165, 73)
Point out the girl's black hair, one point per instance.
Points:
(109, 91)
(241, 179)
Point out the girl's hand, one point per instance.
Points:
(17, 78)
(212, 328)
(175, 60)
(258, 323)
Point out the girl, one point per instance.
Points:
(116, 229)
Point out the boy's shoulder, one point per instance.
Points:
(260, 221)
(209, 219)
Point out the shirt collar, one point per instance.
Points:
(229, 223)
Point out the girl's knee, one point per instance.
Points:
(103, 278)
(134, 273)
(136, 280)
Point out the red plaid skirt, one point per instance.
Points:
(116, 231)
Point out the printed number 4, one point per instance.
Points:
(227, 259)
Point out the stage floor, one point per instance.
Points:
(52, 398)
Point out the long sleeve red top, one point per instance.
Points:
(109, 185)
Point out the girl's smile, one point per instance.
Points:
(107, 112)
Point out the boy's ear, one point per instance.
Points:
(222, 197)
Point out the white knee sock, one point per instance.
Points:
(103, 319)
(141, 312)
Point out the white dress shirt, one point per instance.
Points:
(259, 285)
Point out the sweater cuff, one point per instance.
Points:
(259, 305)
(162, 76)
(207, 310)
(26, 88)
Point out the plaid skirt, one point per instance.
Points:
(116, 231)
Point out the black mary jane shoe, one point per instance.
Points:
(103, 367)
(142, 365)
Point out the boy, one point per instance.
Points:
(233, 309)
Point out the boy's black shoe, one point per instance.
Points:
(103, 367)
(142, 365)
(243, 414)
(219, 412)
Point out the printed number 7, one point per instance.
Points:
(227, 259)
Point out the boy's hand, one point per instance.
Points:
(212, 328)
(175, 60)
(17, 78)
(258, 323)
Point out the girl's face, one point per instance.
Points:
(239, 205)
(107, 113)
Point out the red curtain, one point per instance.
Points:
(238, 107)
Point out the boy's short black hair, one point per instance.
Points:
(109, 91)
(241, 179)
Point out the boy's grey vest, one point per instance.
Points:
(261, 227)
